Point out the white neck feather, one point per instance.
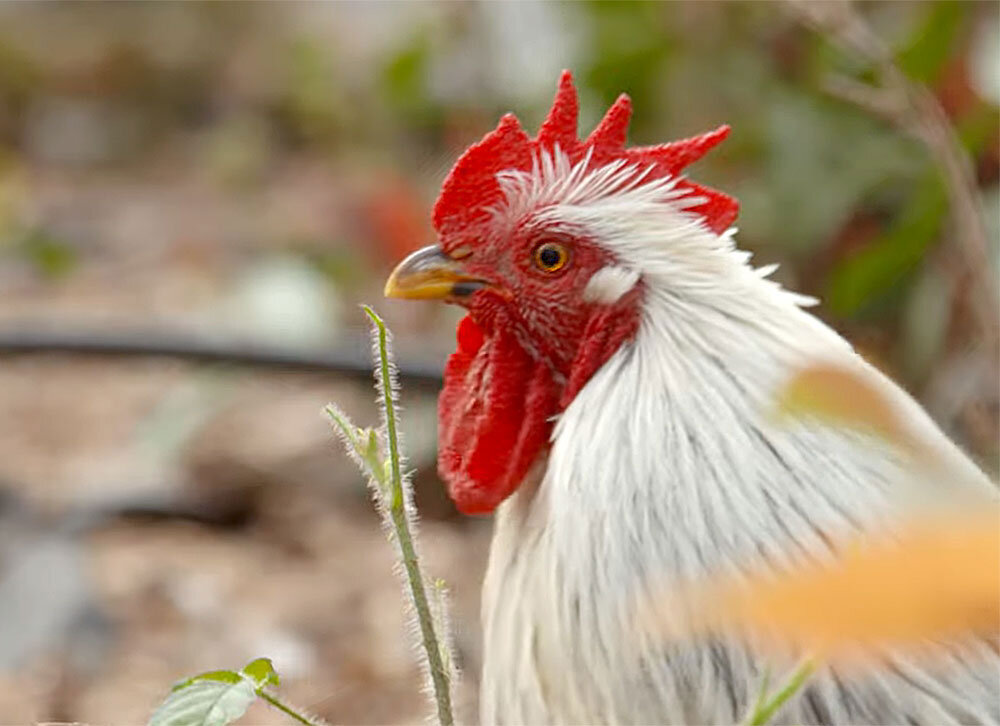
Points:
(666, 465)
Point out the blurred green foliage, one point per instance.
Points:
(929, 47)
(404, 83)
(850, 205)
(876, 269)
(50, 256)
(311, 103)
(626, 60)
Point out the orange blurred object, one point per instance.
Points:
(937, 579)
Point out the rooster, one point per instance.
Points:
(608, 400)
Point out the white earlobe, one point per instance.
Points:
(608, 284)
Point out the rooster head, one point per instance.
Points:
(523, 230)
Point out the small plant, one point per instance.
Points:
(392, 493)
(218, 698)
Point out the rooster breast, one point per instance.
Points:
(666, 466)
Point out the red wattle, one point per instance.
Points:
(496, 408)
(493, 417)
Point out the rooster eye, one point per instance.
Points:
(550, 256)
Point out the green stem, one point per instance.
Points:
(765, 710)
(765, 685)
(397, 513)
(285, 708)
(390, 413)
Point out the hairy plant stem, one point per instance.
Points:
(288, 710)
(400, 522)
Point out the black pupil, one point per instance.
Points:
(549, 256)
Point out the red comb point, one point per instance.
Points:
(679, 154)
(471, 188)
(559, 126)
(608, 138)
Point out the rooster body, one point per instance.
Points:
(606, 295)
(663, 466)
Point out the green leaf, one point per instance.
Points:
(215, 698)
(929, 48)
(220, 676)
(343, 423)
(261, 672)
(865, 276)
(211, 699)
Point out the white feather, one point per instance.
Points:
(666, 465)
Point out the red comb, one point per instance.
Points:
(471, 188)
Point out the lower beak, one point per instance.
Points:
(429, 274)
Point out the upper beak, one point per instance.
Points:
(429, 274)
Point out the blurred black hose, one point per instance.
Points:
(353, 361)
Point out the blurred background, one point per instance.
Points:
(227, 182)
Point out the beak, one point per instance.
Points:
(429, 274)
